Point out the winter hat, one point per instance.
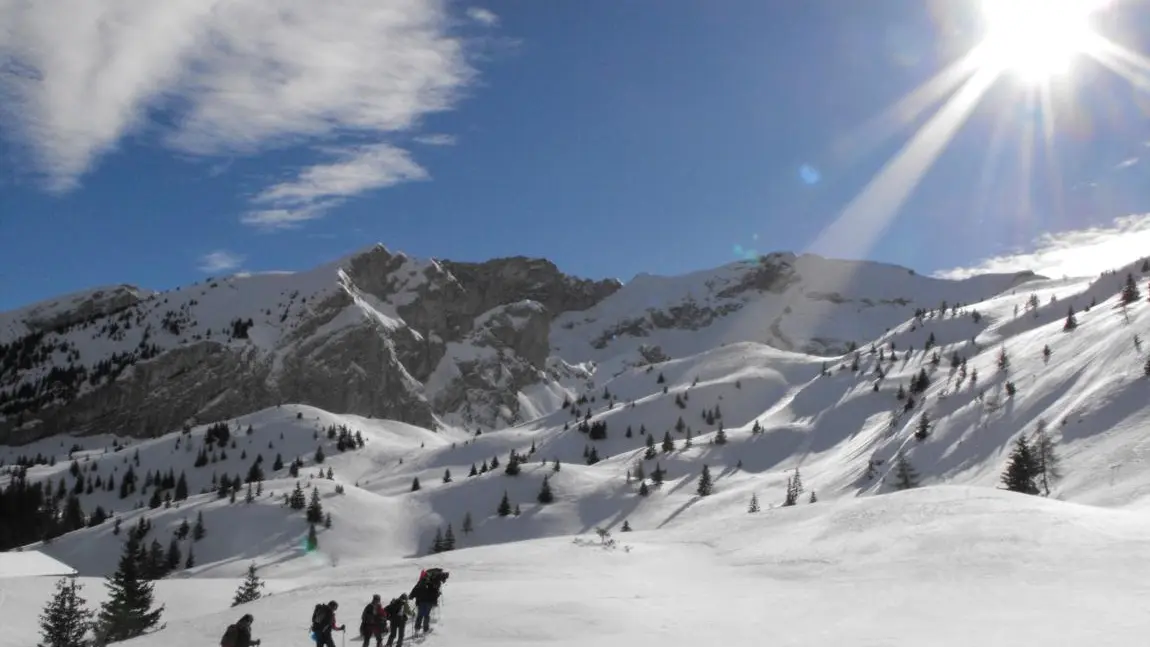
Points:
(247, 619)
(376, 598)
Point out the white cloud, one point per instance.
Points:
(220, 261)
(437, 139)
(318, 188)
(1083, 252)
(237, 77)
(1127, 163)
(483, 16)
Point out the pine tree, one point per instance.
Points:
(1071, 321)
(173, 557)
(626, 526)
(128, 611)
(1130, 292)
(66, 619)
(467, 526)
(1046, 458)
(199, 530)
(250, 588)
(904, 473)
(446, 476)
(504, 506)
(923, 429)
(191, 560)
(545, 495)
(1021, 469)
(754, 506)
(437, 543)
(312, 539)
(643, 489)
(415, 484)
(181, 488)
(449, 538)
(720, 436)
(706, 485)
(314, 507)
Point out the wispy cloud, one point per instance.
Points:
(483, 16)
(1083, 252)
(318, 188)
(438, 139)
(234, 77)
(219, 261)
(1126, 163)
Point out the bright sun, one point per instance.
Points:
(1037, 39)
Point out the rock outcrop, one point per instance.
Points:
(364, 340)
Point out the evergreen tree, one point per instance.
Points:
(314, 507)
(1071, 321)
(545, 494)
(449, 538)
(923, 429)
(181, 488)
(437, 543)
(198, 530)
(172, 562)
(297, 500)
(643, 489)
(1003, 360)
(312, 539)
(66, 619)
(668, 442)
(754, 506)
(191, 560)
(706, 485)
(250, 589)
(278, 463)
(1021, 469)
(504, 505)
(904, 474)
(473, 472)
(415, 484)
(720, 436)
(468, 527)
(128, 611)
(446, 476)
(626, 526)
(1130, 292)
(1047, 460)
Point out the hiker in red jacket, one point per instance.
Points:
(372, 623)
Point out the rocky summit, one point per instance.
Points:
(429, 342)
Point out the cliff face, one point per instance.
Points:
(358, 336)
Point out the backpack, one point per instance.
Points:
(394, 608)
(230, 635)
(319, 617)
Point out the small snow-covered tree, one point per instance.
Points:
(66, 618)
(545, 495)
(904, 473)
(706, 484)
(250, 589)
(1048, 463)
(1021, 468)
(754, 505)
(504, 508)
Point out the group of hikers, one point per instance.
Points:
(377, 619)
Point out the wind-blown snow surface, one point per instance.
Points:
(943, 566)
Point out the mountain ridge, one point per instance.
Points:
(368, 332)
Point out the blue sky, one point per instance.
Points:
(614, 138)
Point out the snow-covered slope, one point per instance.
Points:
(943, 566)
(728, 395)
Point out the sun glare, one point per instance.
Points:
(1037, 39)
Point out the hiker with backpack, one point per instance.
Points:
(323, 623)
(397, 612)
(426, 595)
(239, 634)
(373, 622)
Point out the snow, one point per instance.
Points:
(956, 562)
(941, 566)
(31, 563)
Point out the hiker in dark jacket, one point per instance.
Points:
(373, 623)
(240, 634)
(323, 623)
(398, 611)
(426, 596)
